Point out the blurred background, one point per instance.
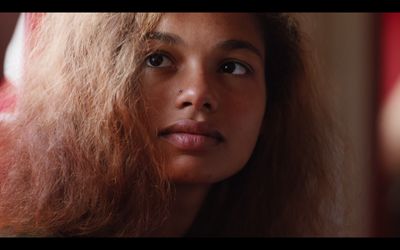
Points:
(358, 55)
(345, 49)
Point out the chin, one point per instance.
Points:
(191, 179)
(199, 171)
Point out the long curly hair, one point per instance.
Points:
(79, 158)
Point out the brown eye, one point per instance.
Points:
(158, 60)
(234, 68)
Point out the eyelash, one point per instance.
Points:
(248, 69)
(158, 53)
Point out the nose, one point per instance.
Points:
(196, 93)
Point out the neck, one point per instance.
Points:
(188, 200)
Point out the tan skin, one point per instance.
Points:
(207, 69)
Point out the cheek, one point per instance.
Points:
(245, 111)
(157, 99)
(246, 116)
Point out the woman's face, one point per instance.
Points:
(205, 86)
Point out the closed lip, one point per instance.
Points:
(188, 126)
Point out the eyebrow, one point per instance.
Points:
(239, 44)
(164, 37)
(228, 45)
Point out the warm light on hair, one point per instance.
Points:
(82, 159)
(79, 158)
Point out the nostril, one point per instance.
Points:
(207, 105)
(186, 104)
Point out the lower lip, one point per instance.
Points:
(191, 142)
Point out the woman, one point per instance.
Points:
(189, 124)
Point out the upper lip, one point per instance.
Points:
(192, 127)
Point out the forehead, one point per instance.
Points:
(209, 27)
